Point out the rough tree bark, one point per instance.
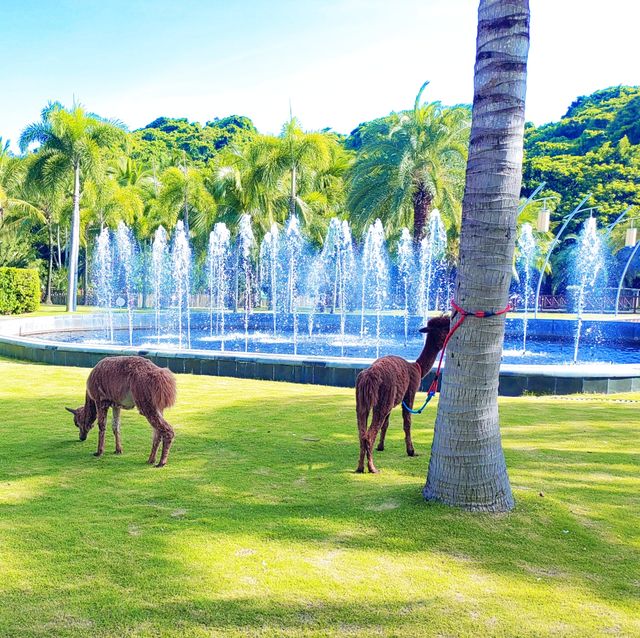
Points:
(422, 201)
(467, 466)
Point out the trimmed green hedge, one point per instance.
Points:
(19, 290)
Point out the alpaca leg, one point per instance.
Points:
(115, 425)
(362, 436)
(376, 423)
(102, 426)
(154, 447)
(406, 422)
(162, 430)
(383, 433)
(360, 468)
(167, 440)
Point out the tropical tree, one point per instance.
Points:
(246, 179)
(183, 193)
(273, 177)
(300, 153)
(467, 466)
(410, 163)
(71, 141)
(12, 176)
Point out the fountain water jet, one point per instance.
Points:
(125, 251)
(181, 264)
(589, 264)
(269, 250)
(332, 276)
(103, 275)
(217, 276)
(245, 246)
(405, 271)
(433, 249)
(528, 250)
(293, 258)
(159, 274)
(375, 276)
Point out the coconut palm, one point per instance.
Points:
(183, 193)
(467, 466)
(301, 155)
(247, 179)
(13, 171)
(273, 177)
(410, 163)
(71, 141)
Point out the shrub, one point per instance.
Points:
(19, 290)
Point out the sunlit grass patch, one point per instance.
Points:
(258, 525)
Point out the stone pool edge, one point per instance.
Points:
(17, 342)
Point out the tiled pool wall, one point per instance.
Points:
(16, 341)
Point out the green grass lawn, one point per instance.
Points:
(259, 527)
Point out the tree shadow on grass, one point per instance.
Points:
(281, 469)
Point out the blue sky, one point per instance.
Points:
(340, 62)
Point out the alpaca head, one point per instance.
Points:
(82, 420)
(437, 329)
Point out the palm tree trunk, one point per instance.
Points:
(186, 211)
(186, 193)
(422, 201)
(292, 196)
(58, 247)
(467, 466)
(72, 288)
(85, 278)
(50, 270)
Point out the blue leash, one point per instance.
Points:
(430, 396)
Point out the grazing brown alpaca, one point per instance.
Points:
(128, 382)
(389, 381)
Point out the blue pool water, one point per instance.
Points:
(549, 341)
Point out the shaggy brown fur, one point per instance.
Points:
(389, 381)
(128, 382)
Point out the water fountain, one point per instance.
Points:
(245, 245)
(351, 304)
(269, 254)
(293, 262)
(375, 277)
(217, 278)
(181, 270)
(432, 286)
(103, 273)
(331, 279)
(159, 275)
(405, 257)
(125, 259)
(527, 257)
(589, 264)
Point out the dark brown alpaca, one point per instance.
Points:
(128, 382)
(389, 381)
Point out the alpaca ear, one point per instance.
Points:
(70, 410)
(424, 330)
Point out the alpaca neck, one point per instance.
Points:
(427, 357)
(90, 411)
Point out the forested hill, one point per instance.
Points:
(166, 138)
(594, 148)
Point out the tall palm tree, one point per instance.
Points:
(409, 164)
(247, 178)
(12, 176)
(183, 193)
(298, 153)
(467, 466)
(71, 141)
(273, 177)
